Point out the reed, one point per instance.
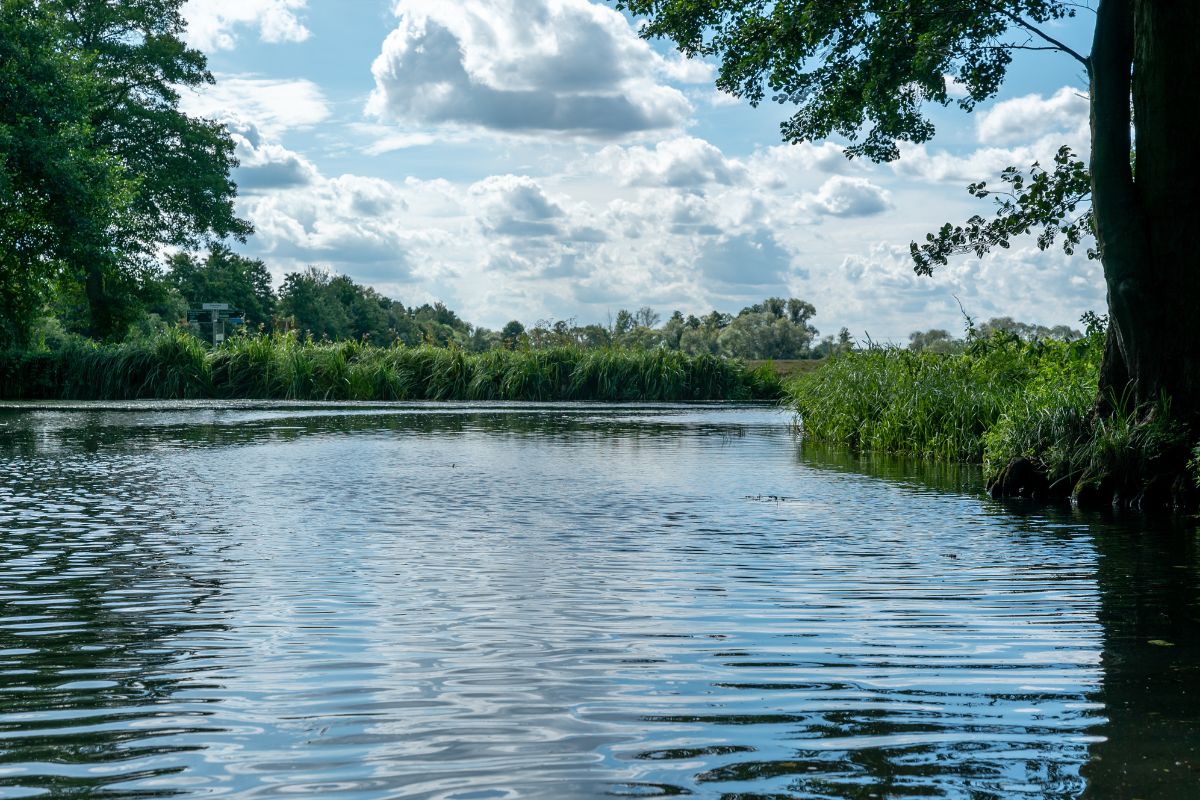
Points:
(999, 400)
(285, 366)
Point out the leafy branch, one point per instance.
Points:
(1054, 202)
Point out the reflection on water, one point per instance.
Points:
(588, 601)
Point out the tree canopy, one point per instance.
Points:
(860, 69)
(100, 167)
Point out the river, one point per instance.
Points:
(478, 602)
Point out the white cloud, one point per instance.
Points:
(266, 165)
(353, 223)
(512, 205)
(843, 196)
(526, 66)
(214, 24)
(955, 89)
(683, 162)
(585, 230)
(1033, 127)
(1028, 118)
(745, 260)
(271, 105)
(878, 291)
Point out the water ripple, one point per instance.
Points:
(569, 602)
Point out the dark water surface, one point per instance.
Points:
(566, 602)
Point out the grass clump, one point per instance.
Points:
(288, 367)
(1027, 410)
(919, 403)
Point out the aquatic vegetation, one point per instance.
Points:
(1027, 410)
(174, 365)
(1024, 409)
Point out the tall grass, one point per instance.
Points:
(284, 366)
(1001, 399)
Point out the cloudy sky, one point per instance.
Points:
(535, 159)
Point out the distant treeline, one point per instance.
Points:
(323, 306)
(326, 306)
(937, 340)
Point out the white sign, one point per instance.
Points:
(215, 306)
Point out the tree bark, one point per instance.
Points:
(100, 322)
(1148, 50)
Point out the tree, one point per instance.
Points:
(623, 324)
(800, 312)
(672, 330)
(483, 339)
(646, 317)
(56, 185)
(150, 175)
(864, 70)
(306, 298)
(1027, 331)
(511, 334)
(763, 334)
(935, 340)
(224, 277)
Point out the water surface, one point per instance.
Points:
(470, 602)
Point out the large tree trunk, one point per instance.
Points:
(100, 321)
(1148, 50)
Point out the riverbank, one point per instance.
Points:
(175, 365)
(1022, 409)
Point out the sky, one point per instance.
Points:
(537, 160)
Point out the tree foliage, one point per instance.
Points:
(223, 276)
(1053, 202)
(101, 168)
(58, 189)
(331, 306)
(860, 69)
(775, 328)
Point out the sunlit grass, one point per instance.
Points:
(1001, 399)
(287, 367)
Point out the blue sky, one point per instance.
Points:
(534, 159)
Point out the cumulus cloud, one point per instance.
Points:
(214, 24)
(683, 162)
(1025, 119)
(1015, 133)
(525, 66)
(271, 105)
(843, 196)
(955, 88)
(266, 165)
(349, 219)
(514, 205)
(877, 289)
(350, 222)
(745, 260)
(778, 167)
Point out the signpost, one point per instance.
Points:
(211, 319)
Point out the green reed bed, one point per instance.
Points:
(1001, 399)
(283, 366)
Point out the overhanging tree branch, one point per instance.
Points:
(1036, 31)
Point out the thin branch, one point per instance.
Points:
(1020, 47)
(1018, 19)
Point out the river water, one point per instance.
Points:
(477, 602)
